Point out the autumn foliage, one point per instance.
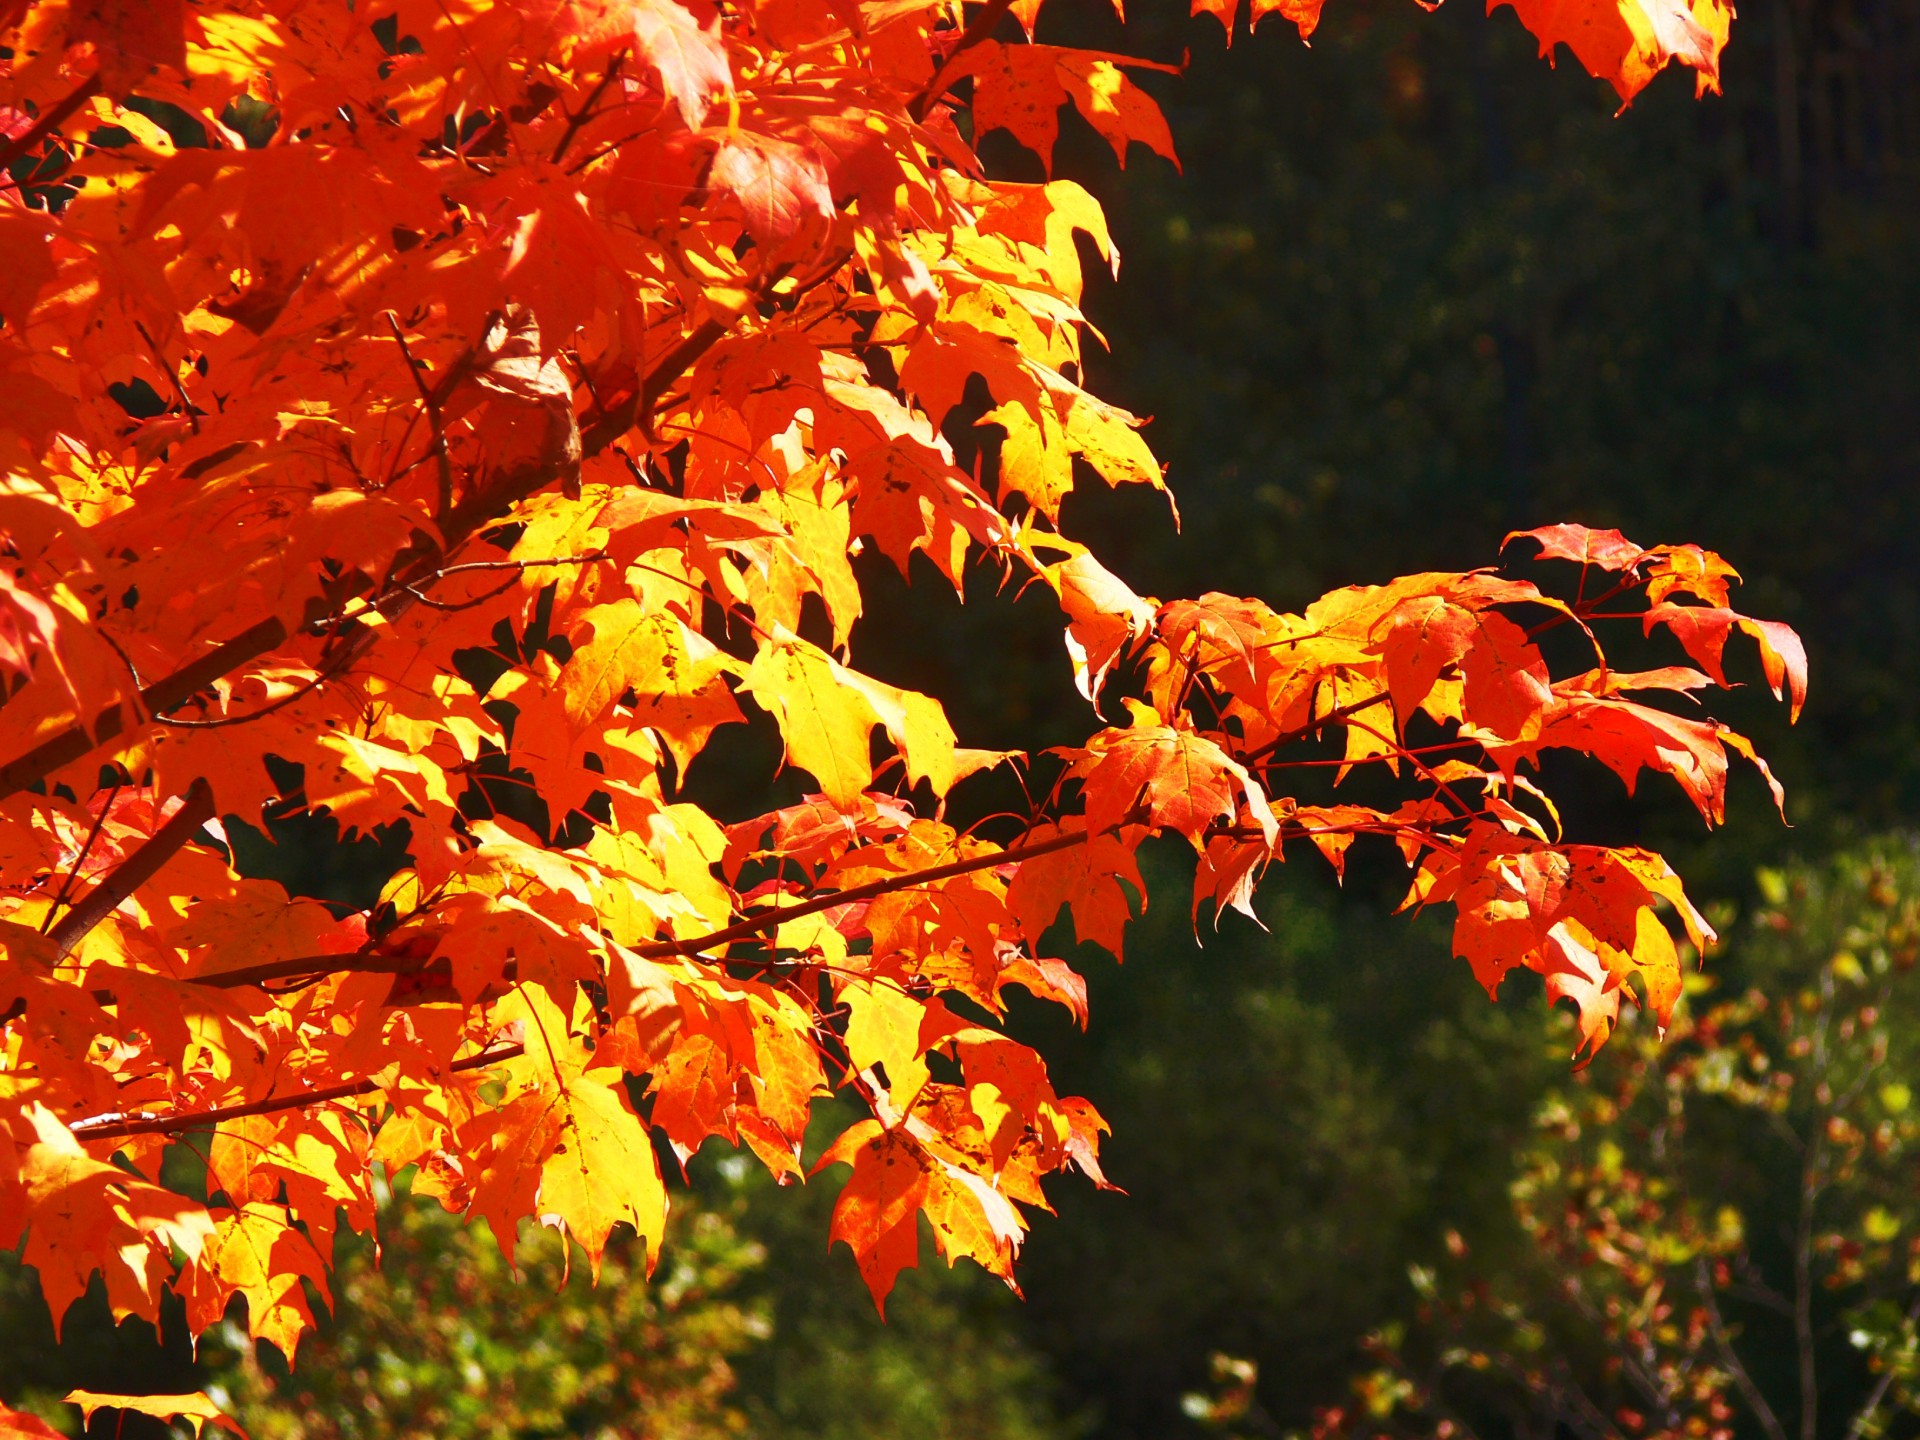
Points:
(454, 395)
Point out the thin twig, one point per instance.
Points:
(80, 860)
(755, 924)
(1812, 1175)
(588, 559)
(1877, 1397)
(432, 406)
(115, 1127)
(1803, 1336)
(1723, 1341)
(265, 710)
(1287, 737)
(585, 113)
(1400, 751)
(165, 366)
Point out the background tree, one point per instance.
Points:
(1724, 1226)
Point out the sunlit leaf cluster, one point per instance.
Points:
(447, 416)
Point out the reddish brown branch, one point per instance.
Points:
(638, 406)
(49, 121)
(586, 111)
(133, 872)
(305, 967)
(853, 894)
(168, 693)
(1287, 737)
(308, 968)
(442, 460)
(115, 1127)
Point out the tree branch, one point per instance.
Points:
(1756, 1402)
(309, 968)
(1287, 737)
(80, 860)
(1812, 1165)
(169, 692)
(670, 367)
(585, 113)
(442, 461)
(853, 894)
(133, 872)
(478, 508)
(303, 967)
(49, 121)
(1803, 1337)
(755, 924)
(116, 1126)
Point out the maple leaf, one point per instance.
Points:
(1105, 617)
(826, 712)
(196, 1409)
(1629, 42)
(1303, 13)
(1582, 916)
(1506, 685)
(878, 1213)
(256, 1252)
(781, 187)
(26, 246)
(602, 1171)
(1629, 737)
(1099, 881)
(83, 1214)
(1703, 631)
(1608, 549)
(675, 676)
(688, 58)
(1180, 780)
(1020, 88)
(131, 38)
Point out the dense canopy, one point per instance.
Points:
(448, 417)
